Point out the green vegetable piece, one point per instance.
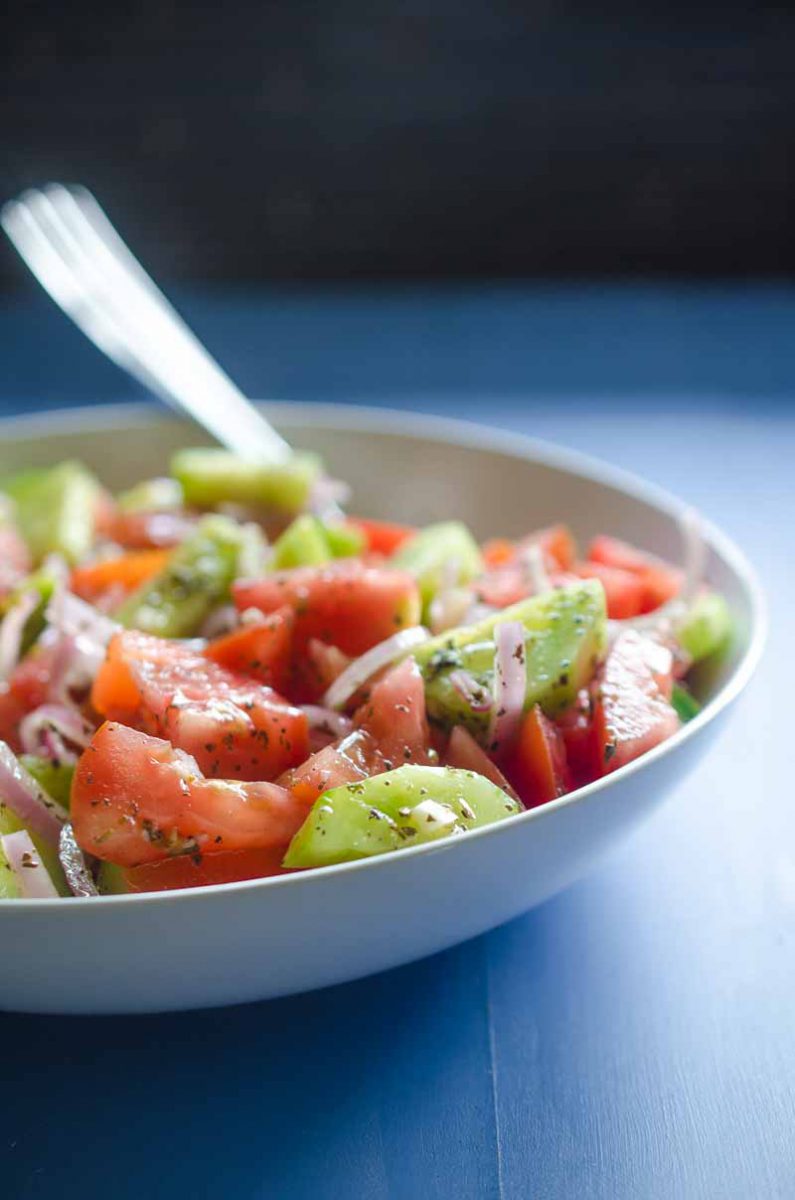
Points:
(303, 544)
(10, 823)
(55, 778)
(42, 583)
(686, 706)
(566, 639)
(111, 880)
(152, 495)
(55, 509)
(406, 807)
(706, 627)
(344, 540)
(197, 577)
(9, 888)
(212, 476)
(437, 550)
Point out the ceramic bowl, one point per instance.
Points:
(271, 937)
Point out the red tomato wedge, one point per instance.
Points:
(261, 651)
(661, 581)
(392, 729)
(186, 871)
(632, 713)
(345, 603)
(394, 717)
(625, 591)
(464, 752)
(135, 799)
(124, 573)
(383, 537)
(537, 765)
(235, 727)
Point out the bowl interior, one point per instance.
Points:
(416, 469)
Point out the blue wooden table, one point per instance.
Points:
(634, 1038)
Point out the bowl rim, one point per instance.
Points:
(470, 435)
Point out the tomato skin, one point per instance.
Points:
(345, 603)
(383, 537)
(661, 581)
(537, 765)
(175, 874)
(135, 799)
(625, 591)
(11, 713)
(123, 573)
(583, 739)
(259, 651)
(467, 754)
(352, 758)
(394, 716)
(235, 727)
(632, 713)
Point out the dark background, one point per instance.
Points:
(245, 141)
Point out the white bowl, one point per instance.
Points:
(248, 941)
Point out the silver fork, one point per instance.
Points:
(78, 257)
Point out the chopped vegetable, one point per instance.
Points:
(440, 556)
(404, 807)
(209, 477)
(55, 509)
(197, 576)
(706, 626)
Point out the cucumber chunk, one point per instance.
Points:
(705, 627)
(198, 576)
(405, 807)
(565, 641)
(10, 823)
(212, 476)
(436, 552)
(152, 495)
(55, 509)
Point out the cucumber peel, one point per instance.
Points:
(409, 806)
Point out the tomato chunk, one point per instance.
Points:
(464, 752)
(537, 765)
(135, 799)
(261, 651)
(625, 591)
(661, 581)
(123, 573)
(383, 537)
(235, 727)
(345, 603)
(632, 713)
(190, 871)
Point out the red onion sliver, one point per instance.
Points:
(326, 720)
(533, 558)
(360, 670)
(75, 867)
(476, 696)
(25, 861)
(11, 631)
(50, 726)
(510, 684)
(20, 791)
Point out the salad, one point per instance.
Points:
(219, 676)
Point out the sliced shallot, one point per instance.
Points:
(28, 800)
(75, 867)
(510, 684)
(29, 871)
(475, 695)
(50, 727)
(360, 670)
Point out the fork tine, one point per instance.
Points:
(75, 252)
